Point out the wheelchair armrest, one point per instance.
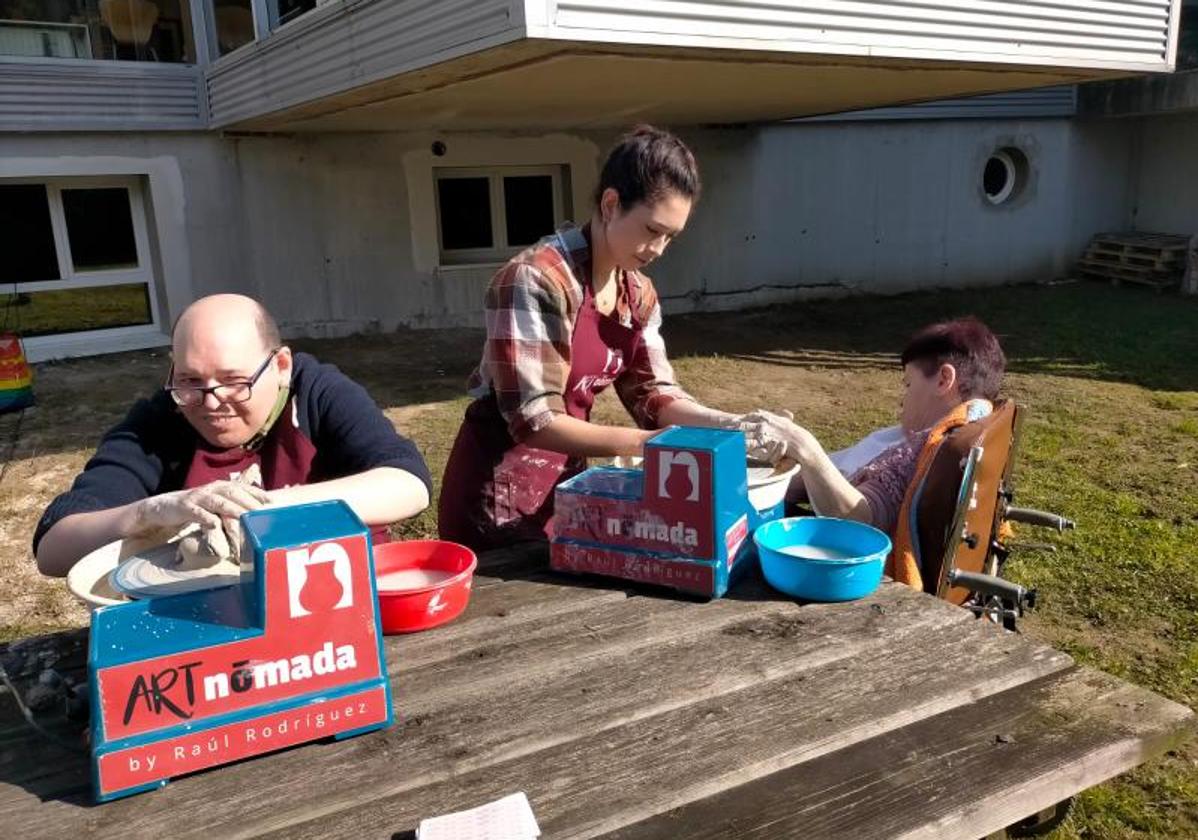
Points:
(1039, 517)
(993, 586)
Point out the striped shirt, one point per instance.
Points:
(531, 306)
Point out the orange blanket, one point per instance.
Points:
(903, 565)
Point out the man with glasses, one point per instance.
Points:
(236, 403)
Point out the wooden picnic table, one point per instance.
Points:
(629, 713)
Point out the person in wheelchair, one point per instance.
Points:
(952, 372)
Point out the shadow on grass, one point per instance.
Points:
(1084, 330)
(78, 400)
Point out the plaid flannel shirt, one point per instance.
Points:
(531, 306)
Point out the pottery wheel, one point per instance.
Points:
(157, 571)
(761, 473)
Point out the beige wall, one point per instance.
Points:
(333, 232)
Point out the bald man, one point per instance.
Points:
(235, 397)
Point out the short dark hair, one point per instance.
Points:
(968, 345)
(648, 164)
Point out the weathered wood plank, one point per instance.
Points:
(585, 707)
(34, 765)
(559, 647)
(492, 612)
(961, 774)
(609, 689)
(544, 690)
(630, 771)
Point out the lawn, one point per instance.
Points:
(1109, 377)
(73, 310)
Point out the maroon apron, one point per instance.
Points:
(496, 491)
(286, 458)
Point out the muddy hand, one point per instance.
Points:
(208, 506)
(769, 437)
(762, 439)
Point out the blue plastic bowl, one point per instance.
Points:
(819, 558)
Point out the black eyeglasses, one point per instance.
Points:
(226, 392)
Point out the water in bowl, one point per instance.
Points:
(412, 579)
(815, 552)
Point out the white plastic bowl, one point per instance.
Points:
(88, 579)
(767, 485)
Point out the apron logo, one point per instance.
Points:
(596, 382)
(302, 564)
(614, 363)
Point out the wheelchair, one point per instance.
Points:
(963, 510)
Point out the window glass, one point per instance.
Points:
(528, 208)
(233, 21)
(1187, 42)
(26, 234)
(464, 210)
(100, 228)
(117, 30)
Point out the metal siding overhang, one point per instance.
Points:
(71, 95)
(421, 64)
(343, 46)
(1136, 35)
(1059, 101)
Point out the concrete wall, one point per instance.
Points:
(1165, 200)
(1140, 95)
(332, 231)
(344, 227)
(794, 210)
(192, 196)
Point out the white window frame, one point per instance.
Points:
(501, 251)
(1012, 171)
(70, 278)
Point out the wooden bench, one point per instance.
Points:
(630, 713)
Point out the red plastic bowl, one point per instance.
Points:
(420, 607)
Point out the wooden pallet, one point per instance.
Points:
(1151, 259)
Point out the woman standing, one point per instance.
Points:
(565, 319)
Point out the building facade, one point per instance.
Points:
(359, 165)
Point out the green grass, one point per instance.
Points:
(1110, 381)
(1109, 377)
(73, 310)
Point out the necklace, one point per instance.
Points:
(605, 298)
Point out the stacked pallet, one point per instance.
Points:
(1152, 259)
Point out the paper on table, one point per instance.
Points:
(509, 818)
